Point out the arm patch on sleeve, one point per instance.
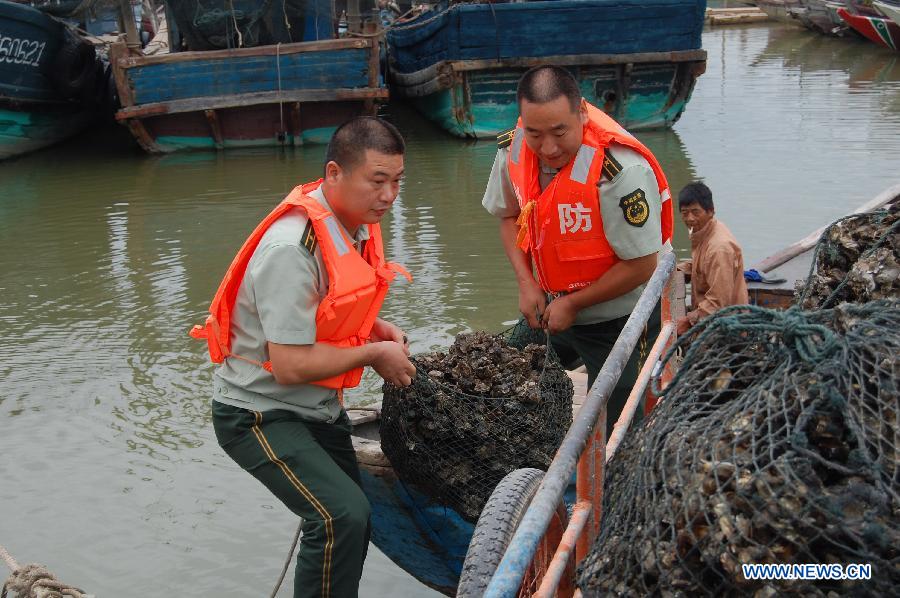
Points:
(611, 167)
(308, 239)
(505, 138)
(635, 208)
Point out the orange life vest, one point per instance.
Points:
(562, 226)
(357, 285)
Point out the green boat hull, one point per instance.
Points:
(482, 103)
(23, 131)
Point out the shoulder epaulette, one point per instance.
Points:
(308, 239)
(505, 138)
(611, 167)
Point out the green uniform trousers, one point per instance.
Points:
(592, 344)
(310, 467)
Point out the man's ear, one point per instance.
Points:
(583, 112)
(333, 172)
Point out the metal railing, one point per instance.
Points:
(585, 448)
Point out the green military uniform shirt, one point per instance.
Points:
(277, 302)
(629, 241)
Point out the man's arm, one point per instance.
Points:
(303, 364)
(285, 283)
(621, 278)
(532, 299)
(500, 200)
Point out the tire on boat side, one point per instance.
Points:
(494, 530)
(75, 68)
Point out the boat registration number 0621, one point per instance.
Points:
(15, 50)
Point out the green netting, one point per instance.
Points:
(221, 24)
(476, 413)
(857, 259)
(776, 443)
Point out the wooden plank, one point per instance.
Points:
(213, 119)
(369, 453)
(374, 65)
(332, 70)
(284, 49)
(580, 59)
(806, 243)
(249, 99)
(116, 52)
(143, 137)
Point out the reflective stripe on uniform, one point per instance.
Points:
(336, 236)
(516, 148)
(582, 165)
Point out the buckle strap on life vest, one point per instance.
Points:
(390, 270)
(522, 239)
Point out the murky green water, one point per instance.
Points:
(110, 472)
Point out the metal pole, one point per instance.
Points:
(511, 570)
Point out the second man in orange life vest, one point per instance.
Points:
(584, 211)
(293, 323)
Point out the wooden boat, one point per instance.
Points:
(890, 10)
(793, 262)
(820, 16)
(460, 65)
(280, 94)
(780, 10)
(422, 537)
(881, 30)
(48, 80)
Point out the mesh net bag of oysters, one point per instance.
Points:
(489, 405)
(776, 443)
(856, 259)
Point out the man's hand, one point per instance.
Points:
(560, 315)
(392, 363)
(682, 326)
(385, 331)
(532, 303)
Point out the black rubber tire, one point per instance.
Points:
(495, 528)
(75, 67)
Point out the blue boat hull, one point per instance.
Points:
(286, 95)
(427, 540)
(638, 62)
(34, 110)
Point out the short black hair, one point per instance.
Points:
(350, 141)
(543, 84)
(698, 193)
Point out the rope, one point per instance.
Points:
(287, 563)
(812, 343)
(34, 581)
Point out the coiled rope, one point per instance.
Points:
(34, 581)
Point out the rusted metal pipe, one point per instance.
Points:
(637, 392)
(557, 568)
(508, 577)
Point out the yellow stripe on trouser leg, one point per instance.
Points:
(329, 530)
(311, 468)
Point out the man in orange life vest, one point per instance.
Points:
(584, 210)
(293, 323)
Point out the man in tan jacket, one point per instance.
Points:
(717, 265)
